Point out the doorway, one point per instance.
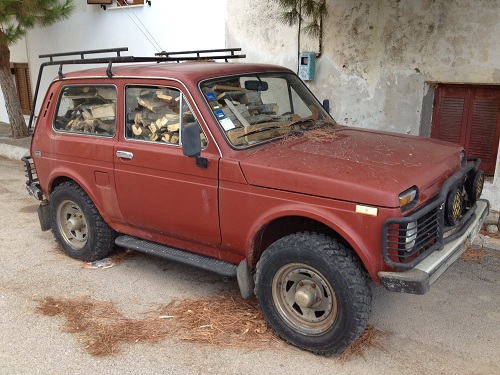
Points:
(469, 115)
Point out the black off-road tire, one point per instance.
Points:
(77, 225)
(314, 292)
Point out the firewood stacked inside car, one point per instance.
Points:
(157, 116)
(87, 109)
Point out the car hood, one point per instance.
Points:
(354, 165)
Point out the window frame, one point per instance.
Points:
(183, 98)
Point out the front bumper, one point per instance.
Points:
(419, 278)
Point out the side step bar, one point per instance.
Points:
(210, 264)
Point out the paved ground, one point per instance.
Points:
(454, 329)
(9, 147)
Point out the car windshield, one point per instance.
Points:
(257, 108)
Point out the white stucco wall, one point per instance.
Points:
(380, 55)
(3, 111)
(174, 25)
(18, 54)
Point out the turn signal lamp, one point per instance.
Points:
(408, 198)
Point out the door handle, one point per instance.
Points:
(124, 155)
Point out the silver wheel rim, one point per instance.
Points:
(72, 224)
(304, 299)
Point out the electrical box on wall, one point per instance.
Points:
(307, 65)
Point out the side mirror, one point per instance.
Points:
(191, 144)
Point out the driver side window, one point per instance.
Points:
(153, 114)
(157, 114)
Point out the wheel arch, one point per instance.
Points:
(280, 224)
(60, 178)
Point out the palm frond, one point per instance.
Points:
(288, 3)
(290, 18)
(312, 29)
(309, 7)
(298, 11)
(322, 9)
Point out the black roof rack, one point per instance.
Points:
(83, 53)
(214, 54)
(200, 52)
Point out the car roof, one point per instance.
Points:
(191, 71)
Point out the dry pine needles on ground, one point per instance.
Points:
(224, 321)
(227, 321)
(368, 339)
(100, 327)
(484, 232)
(478, 254)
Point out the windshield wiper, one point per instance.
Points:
(301, 121)
(259, 131)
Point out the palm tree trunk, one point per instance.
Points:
(12, 104)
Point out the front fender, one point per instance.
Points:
(346, 227)
(246, 211)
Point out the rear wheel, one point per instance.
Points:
(77, 225)
(313, 292)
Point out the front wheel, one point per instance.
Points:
(77, 224)
(313, 292)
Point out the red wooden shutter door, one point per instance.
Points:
(469, 116)
(484, 128)
(451, 109)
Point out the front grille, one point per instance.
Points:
(406, 241)
(403, 249)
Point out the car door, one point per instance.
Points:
(161, 192)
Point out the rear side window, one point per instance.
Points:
(87, 109)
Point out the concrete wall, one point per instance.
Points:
(18, 52)
(165, 25)
(379, 56)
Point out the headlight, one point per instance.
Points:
(408, 198)
(463, 158)
(407, 241)
(410, 235)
